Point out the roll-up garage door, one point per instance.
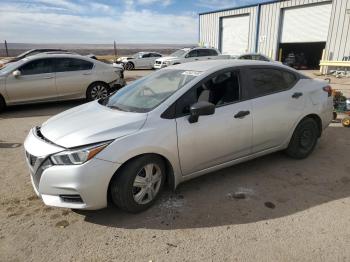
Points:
(234, 34)
(306, 24)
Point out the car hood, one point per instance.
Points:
(167, 58)
(90, 123)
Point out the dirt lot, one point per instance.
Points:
(289, 210)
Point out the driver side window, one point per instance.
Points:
(220, 90)
(193, 53)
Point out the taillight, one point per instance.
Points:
(328, 89)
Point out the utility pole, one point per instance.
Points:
(7, 51)
(115, 50)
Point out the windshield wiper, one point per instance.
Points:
(118, 108)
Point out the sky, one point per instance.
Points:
(102, 21)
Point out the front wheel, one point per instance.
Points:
(304, 139)
(97, 91)
(138, 184)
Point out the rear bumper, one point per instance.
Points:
(159, 66)
(117, 84)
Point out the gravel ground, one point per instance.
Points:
(269, 209)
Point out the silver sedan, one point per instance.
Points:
(173, 125)
(51, 77)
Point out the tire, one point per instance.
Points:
(346, 122)
(134, 199)
(2, 104)
(97, 91)
(335, 115)
(129, 66)
(304, 139)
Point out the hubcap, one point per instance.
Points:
(306, 138)
(99, 91)
(147, 184)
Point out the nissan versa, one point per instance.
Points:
(173, 125)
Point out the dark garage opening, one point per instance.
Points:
(302, 55)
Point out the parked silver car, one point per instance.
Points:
(140, 60)
(186, 55)
(51, 77)
(173, 125)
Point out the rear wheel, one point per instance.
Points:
(346, 122)
(138, 184)
(96, 91)
(304, 139)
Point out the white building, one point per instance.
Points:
(280, 28)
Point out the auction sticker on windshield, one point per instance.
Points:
(192, 73)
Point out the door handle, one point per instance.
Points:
(196, 59)
(209, 57)
(242, 114)
(86, 74)
(296, 95)
(47, 77)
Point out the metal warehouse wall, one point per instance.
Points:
(209, 26)
(338, 44)
(270, 20)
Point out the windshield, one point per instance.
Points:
(137, 55)
(147, 93)
(9, 67)
(178, 53)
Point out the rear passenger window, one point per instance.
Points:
(267, 81)
(72, 64)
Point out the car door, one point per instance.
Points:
(73, 77)
(35, 83)
(145, 61)
(277, 103)
(217, 138)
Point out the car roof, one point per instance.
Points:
(214, 65)
(55, 54)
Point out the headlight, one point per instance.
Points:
(78, 156)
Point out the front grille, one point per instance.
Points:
(37, 166)
(31, 159)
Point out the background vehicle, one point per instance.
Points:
(171, 126)
(255, 56)
(141, 60)
(51, 77)
(189, 55)
(29, 53)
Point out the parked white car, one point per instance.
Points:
(141, 60)
(189, 55)
(51, 77)
(173, 125)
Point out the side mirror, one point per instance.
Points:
(202, 108)
(16, 73)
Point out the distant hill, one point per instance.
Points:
(97, 49)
